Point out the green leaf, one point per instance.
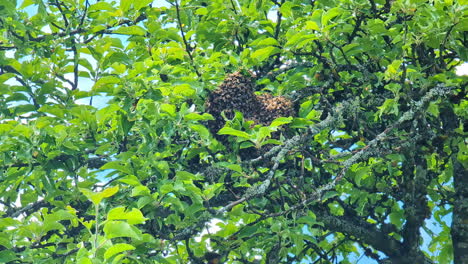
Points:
(131, 180)
(312, 25)
(7, 256)
(263, 133)
(397, 217)
(330, 14)
(276, 227)
(93, 197)
(235, 167)
(125, 4)
(272, 141)
(186, 176)
(117, 248)
(233, 132)
(139, 4)
(114, 229)
(433, 109)
(108, 192)
(198, 117)
(144, 201)
(133, 217)
(336, 209)
(317, 18)
(184, 90)
(22, 109)
(281, 121)
(264, 53)
(169, 108)
(202, 131)
(353, 49)
(286, 9)
(308, 220)
(17, 97)
(84, 260)
(96, 197)
(26, 3)
(299, 40)
(115, 165)
(246, 144)
(247, 231)
(328, 195)
(6, 240)
(166, 188)
(390, 106)
(7, 7)
(360, 173)
(61, 215)
(100, 6)
(201, 11)
(96, 29)
(446, 252)
(130, 30)
(265, 42)
(140, 190)
(392, 71)
(103, 83)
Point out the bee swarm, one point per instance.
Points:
(236, 93)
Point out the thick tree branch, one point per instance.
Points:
(281, 151)
(392, 249)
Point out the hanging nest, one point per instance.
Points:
(236, 93)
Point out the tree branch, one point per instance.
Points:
(188, 48)
(30, 207)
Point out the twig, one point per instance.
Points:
(85, 13)
(188, 48)
(74, 84)
(65, 20)
(357, 26)
(234, 7)
(28, 207)
(279, 16)
(341, 50)
(76, 58)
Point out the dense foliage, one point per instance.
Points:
(107, 157)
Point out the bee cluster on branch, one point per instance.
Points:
(237, 93)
